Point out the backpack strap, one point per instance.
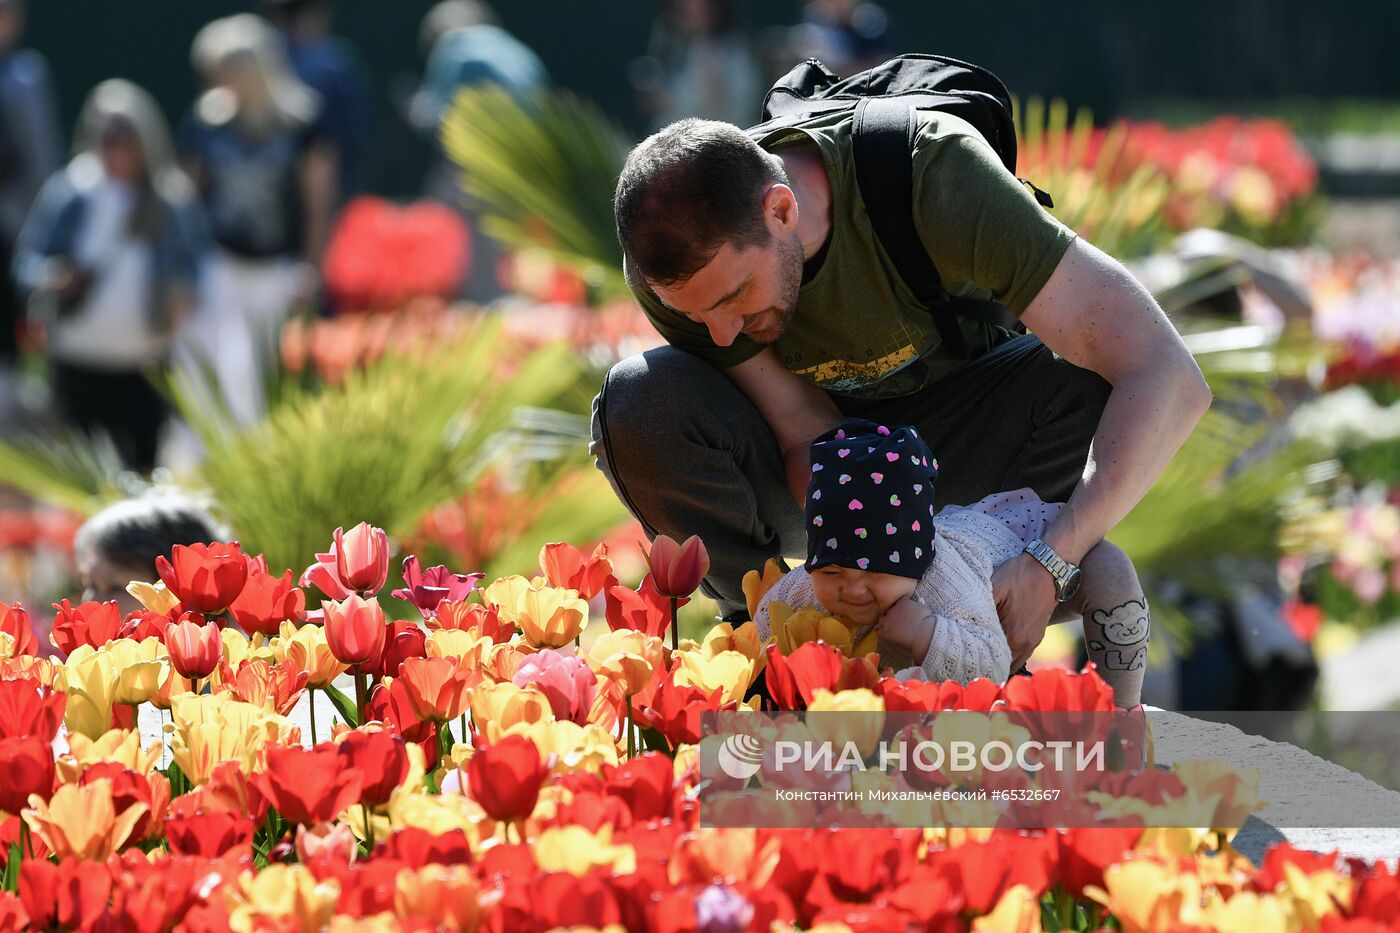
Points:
(882, 143)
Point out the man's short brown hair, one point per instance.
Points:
(687, 190)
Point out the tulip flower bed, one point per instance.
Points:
(500, 767)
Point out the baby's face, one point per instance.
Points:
(858, 595)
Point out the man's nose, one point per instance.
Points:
(723, 329)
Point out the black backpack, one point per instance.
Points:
(883, 100)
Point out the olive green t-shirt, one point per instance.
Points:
(858, 329)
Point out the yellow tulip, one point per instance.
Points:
(498, 708)
(730, 672)
(376, 923)
(438, 814)
(756, 584)
(1237, 789)
(281, 897)
(1148, 896)
(7, 646)
(119, 745)
(574, 747)
(628, 657)
(577, 851)
(1018, 911)
(82, 821)
(551, 617)
(46, 671)
(792, 630)
(505, 594)
(141, 668)
(860, 721)
(213, 728)
(92, 689)
(726, 637)
(447, 895)
(1248, 912)
(154, 596)
(237, 649)
(306, 647)
(1315, 895)
(466, 649)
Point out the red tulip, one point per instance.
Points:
(417, 847)
(643, 610)
(195, 649)
(207, 577)
(794, 679)
(324, 577)
(14, 621)
(266, 602)
(230, 789)
(208, 833)
(91, 623)
(154, 895)
(565, 566)
(128, 788)
(393, 706)
(71, 895)
(465, 616)
(30, 709)
(13, 916)
(381, 760)
(677, 569)
(505, 778)
(142, 624)
(308, 785)
(1058, 690)
(675, 710)
(427, 588)
(1085, 853)
(568, 682)
(645, 783)
(28, 767)
(403, 639)
(355, 629)
(362, 558)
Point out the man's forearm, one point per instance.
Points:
(1147, 418)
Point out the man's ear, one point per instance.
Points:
(780, 207)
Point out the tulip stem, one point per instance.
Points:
(463, 724)
(675, 625)
(311, 711)
(631, 730)
(26, 844)
(359, 676)
(369, 829)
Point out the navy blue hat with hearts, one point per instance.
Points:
(870, 500)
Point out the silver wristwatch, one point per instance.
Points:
(1066, 574)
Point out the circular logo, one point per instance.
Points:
(740, 756)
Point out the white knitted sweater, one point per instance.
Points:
(968, 642)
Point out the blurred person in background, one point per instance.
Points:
(846, 35)
(121, 543)
(29, 154)
(329, 66)
(261, 156)
(109, 257)
(699, 64)
(466, 46)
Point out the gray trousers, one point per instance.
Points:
(688, 453)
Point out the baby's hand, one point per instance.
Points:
(910, 625)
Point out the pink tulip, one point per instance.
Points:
(427, 588)
(362, 558)
(677, 569)
(355, 629)
(568, 682)
(195, 649)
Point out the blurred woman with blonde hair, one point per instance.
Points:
(257, 147)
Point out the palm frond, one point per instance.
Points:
(544, 170)
(391, 442)
(73, 470)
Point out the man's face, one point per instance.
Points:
(752, 291)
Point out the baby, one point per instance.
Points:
(878, 555)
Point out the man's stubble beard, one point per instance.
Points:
(790, 273)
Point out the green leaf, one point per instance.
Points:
(12, 862)
(343, 705)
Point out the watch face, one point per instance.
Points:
(1071, 586)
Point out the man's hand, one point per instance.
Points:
(1025, 595)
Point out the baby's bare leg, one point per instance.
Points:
(1116, 623)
